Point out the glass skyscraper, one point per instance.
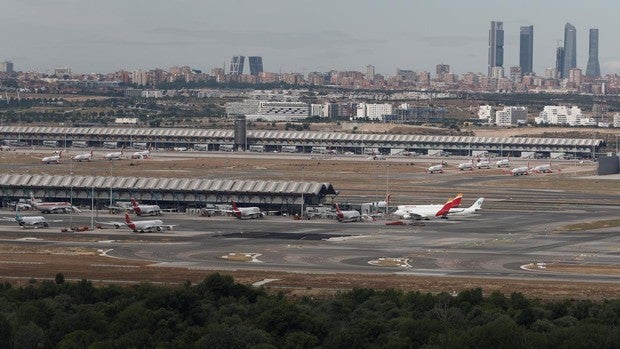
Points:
(593, 69)
(236, 65)
(496, 46)
(256, 65)
(570, 49)
(526, 49)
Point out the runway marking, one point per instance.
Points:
(15, 262)
(390, 262)
(345, 238)
(243, 257)
(114, 266)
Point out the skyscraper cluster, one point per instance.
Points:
(237, 63)
(566, 55)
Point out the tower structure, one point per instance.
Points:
(559, 62)
(236, 65)
(496, 46)
(593, 69)
(570, 49)
(526, 49)
(256, 65)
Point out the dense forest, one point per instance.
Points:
(219, 313)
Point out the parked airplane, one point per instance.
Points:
(52, 207)
(519, 171)
(456, 211)
(466, 166)
(145, 154)
(84, 156)
(246, 212)
(484, 163)
(347, 216)
(545, 168)
(146, 226)
(115, 155)
(54, 159)
(427, 211)
(141, 210)
(435, 169)
(34, 221)
(503, 162)
(379, 204)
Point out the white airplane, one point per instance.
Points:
(466, 166)
(115, 155)
(34, 221)
(484, 163)
(457, 211)
(545, 168)
(347, 216)
(520, 171)
(435, 169)
(380, 204)
(145, 154)
(84, 156)
(54, 159)
(419, 212)
(246, 212)
(146, 226)
(503, 162)
(141, 210)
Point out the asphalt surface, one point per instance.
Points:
(496, 243)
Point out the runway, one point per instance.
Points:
(496, 243)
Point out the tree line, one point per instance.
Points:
(220, 313)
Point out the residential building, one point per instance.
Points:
(617, 120)
(526, 49)
(6, 67)
(511, 116)
(496, 46)
(373, 111)
(370, 72)
(593, 69)
(441, 70)
(485, 112)
(560, 115)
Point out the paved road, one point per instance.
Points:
(495, 243)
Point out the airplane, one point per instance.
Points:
(34, 221)
(484, 163)
(466, 166)
(544, 168)
(380, 204)
(246, 212)
(347, 216)
(427, 212)
(145, 154)
(54, 159)
(146, 226)
(519, 171)
(456, 211)
(140, 210)
(435, 169)
(114, 156)
(503, 162)
(84, 156)
(52, 207)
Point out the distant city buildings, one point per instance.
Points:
(496, 46)
(511, 116)
(373, 111)
(593, 68)
(370, 72)
(236, 65)
(560, 115)
(256, 65)
(526, 49)
(6, 67)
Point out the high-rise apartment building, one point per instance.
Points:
(496, 46)
(236, 65)
(526, 49)
(593, 69)
(559, 62)
(6, 67)
(370, 72)
(256, 65)
(570, 49)
(442, 70)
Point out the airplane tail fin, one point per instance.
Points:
(445, 209)
(478, 204)
(456, 202)
(339, 213)
(133, 202)
(127, 219)
(387, 199)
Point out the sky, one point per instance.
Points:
(301, 36)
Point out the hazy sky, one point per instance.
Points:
(295, 35)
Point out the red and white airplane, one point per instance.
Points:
(142, 210)
(145, 154)
(52, 207)
(84, 156)
(418, 212)
(435, 169)
(348, 215)
(503, 162)
(54, 159)
(521, 171)
(114, 155)
(544, 168)
(247, 212)
(146, 226)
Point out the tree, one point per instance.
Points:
(59, 279)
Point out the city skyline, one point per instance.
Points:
(293, 37)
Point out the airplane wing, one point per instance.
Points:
(157, 227)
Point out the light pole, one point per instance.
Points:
(92, 202)
(302, 190)
(111, 180)
(387, 188)
(377, 188)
